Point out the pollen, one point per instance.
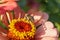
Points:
(21, 29)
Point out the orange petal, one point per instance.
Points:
(18, 12)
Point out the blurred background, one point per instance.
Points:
(52, 7)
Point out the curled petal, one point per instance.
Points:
(49, 25)
(48, 31)
(9, 5)
(51, 32)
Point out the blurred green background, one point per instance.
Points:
(52, 7)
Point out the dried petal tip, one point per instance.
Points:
(21, 29)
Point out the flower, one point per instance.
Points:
(17, 26)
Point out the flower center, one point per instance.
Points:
(21, 29)
(22, 26)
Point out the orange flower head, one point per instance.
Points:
(21, 29)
